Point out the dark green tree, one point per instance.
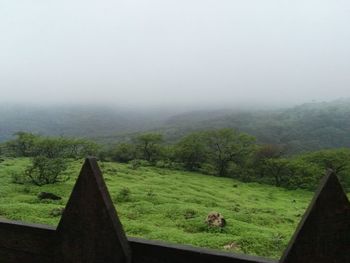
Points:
(334, 160)
(22, 145)
(192, 151)
(226, 146)
(148, 146)
(262, 155)
(80, 148)
(50, 147)
(123, 152)
(277, 169)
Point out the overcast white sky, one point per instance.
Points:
(174, 52)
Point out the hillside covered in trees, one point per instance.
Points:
(78, 121)
(220, 152)
(307, 127)
(303, 128)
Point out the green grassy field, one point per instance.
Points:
(172, 206)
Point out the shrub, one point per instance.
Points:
(134, 164)
(165, 164)
(208, 169)
(148, 146)
(124, 195)
(123, 152)
(18, 177)
(45, 170)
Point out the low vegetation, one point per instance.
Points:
(214, 188)
(162, 204)
(222, 152)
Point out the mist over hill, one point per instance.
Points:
(80, 121)
(301, 128)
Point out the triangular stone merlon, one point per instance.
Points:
(90, 229)
(323, 235)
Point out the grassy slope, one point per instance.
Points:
(260, 219)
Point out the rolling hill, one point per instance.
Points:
(172, 206)
(302, 128)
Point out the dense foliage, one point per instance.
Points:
(30, 145)
(304, 128)
(49, 156)
(226, 152)
(220, 152)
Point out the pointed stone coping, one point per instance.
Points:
(323, 235)
(90, 230)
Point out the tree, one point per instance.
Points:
(2, 146)
(23, 145)
(335, 160)
(123, 152)
(226, 146)
(48, 155)
(263, 154)
(148, 145)
(269, 151)
(303, 174)
(29, 145)
(278, 169)
(80, 148)
(191, 151)
(50, 147)
(44, 170)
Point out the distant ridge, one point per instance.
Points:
(80, 121)
(307, 127)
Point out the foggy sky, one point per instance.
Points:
(174, 52)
